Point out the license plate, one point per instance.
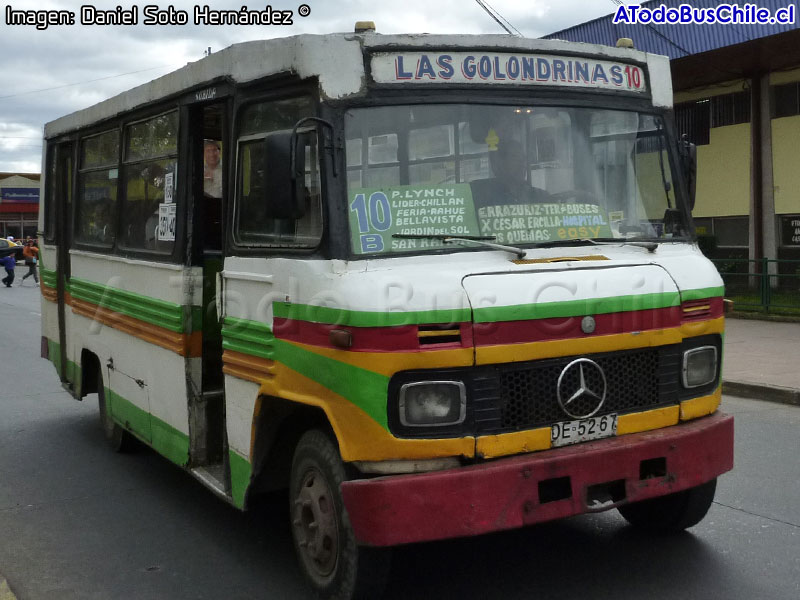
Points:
(583, 430)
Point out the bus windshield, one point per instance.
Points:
(521, 175)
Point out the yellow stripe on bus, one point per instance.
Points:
(488, 355)
(700, 407)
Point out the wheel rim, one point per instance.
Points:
(315, 525)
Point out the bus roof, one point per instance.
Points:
(337, 60)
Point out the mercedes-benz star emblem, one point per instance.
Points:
(581, 388)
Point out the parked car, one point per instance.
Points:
(8, 247)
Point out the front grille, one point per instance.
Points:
(517, 396)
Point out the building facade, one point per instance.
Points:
(19, 204)
(737, 97)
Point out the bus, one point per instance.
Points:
(432, 286)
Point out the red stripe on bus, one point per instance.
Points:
(405, 338)
(402, 338)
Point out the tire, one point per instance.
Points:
(331, 560)
(671, 513)
(119, 439)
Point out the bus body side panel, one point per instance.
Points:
(259, 349)
(50, 349)
(130, 314)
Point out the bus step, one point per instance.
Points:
(213, 476)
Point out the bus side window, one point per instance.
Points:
(96, 205)
(149, 178)
(252, 225)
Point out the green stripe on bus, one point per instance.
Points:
(702, 293)
(248, 337)
(360, 318)
(161, 436)
(366, 389)
(169, 441)
(156, 312)
(241, 472)
(130, 416)
(48, 277)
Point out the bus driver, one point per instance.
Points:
(510, 183)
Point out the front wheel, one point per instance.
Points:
(671, 513)
(335, 565)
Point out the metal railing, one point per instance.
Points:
(765, 285)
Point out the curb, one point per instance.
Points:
(759, 316)
(5, 591)
(770, 393)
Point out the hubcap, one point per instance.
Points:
(314, 523)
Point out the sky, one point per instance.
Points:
(50, 72)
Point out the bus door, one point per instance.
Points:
(62, 196)
(207, 124)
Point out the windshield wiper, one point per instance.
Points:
(480, 240)
(647, 245)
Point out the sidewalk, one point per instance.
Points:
(761, 360)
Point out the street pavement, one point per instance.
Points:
(760, 359)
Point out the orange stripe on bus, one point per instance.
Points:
(185, 345)
(48, 293)
(246, 366)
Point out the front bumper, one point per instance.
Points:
(532, 488)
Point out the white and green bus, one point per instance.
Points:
(433, 286)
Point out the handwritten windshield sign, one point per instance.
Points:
(523, 223)
(378, 213)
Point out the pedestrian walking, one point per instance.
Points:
(9, 262)
(31, 254)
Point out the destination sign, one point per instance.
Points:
(505, 68)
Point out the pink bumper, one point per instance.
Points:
(521, 490)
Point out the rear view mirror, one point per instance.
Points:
(283, 174)
(688, 154)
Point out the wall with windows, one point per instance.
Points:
(786, 164)
(785, 108)
(785, 105)
(717, 120)
(19, 204)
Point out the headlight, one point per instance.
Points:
(428, 403)
(699, 366)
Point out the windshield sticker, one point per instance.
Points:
(376, 214)
(381, 218)
(506, 68)
(543, 222)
